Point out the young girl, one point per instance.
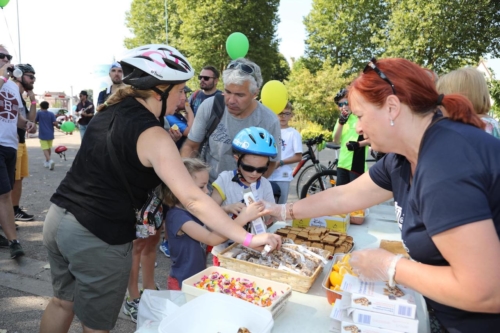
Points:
(253, 147)
(187, 235)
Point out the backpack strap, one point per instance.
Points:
(215, 117)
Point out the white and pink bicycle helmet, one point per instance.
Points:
(148, 66)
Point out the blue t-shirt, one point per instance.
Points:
(188, 255)
(456, 182)
(199, 97)
(45, 120)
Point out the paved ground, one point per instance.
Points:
(25, 287)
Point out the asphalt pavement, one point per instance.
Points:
(25, 283)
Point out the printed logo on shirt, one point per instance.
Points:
(220, 135)
(9, 108)
(283, 144)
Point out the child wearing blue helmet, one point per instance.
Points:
(252, 147)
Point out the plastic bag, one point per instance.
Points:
(155, 305)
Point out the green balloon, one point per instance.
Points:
(68, 126)
(4, 3)
(236, 45)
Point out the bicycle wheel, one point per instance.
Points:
(305, 175)
(319, 182)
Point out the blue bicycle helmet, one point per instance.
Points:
(255, 141)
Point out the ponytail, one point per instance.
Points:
(459, 108)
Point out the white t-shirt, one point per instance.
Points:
(291, 144)
(10, 107)
(232, 192)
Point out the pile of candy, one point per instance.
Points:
(237, 287)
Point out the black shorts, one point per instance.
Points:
(8, 158)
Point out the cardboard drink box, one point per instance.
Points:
(379, 297)
(345, 319)
(338, 223)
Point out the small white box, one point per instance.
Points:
(214, 312)
(284, 291)
(349, 327)
(378, 297)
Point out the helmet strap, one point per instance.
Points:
(164, 96)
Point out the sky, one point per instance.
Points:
(65, 40)
(65, 48)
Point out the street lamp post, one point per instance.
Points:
(166, 23)
(18, 31)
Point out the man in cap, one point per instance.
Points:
(116, 75)
(85, 110)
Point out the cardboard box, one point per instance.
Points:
(349, 327)
(335, 222)
(378, 297)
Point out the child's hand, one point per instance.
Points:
(252, 211)
(235, 208)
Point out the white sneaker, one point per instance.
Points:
(51, 165)
(46, 164)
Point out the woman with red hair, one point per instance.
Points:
(444, 176)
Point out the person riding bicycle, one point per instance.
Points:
(352, 154)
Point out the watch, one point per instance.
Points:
(281, 163)
(392, 270)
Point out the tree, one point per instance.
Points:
(442, 34)
(199, 29)
(343, 30)
(313, 95)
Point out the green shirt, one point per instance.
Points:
(348, 134)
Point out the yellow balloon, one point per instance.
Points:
(274, 96)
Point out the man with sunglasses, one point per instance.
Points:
(25, 84)
(242, 81)
(352, 155)
(11, 118)
(209, 77)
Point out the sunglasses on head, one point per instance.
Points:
(372, 65)
(249, 168)
(341, 104)
(206, 78)
(241, 66)
(3, 56)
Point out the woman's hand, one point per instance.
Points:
(252, 211)
(259, 241)
(175, 134)
(372, 265)
(276, 210)
(235, 208)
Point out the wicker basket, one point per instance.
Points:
(298, 282)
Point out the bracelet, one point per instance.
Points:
(33, 102)
(248, 240)
(4, 79)
(392, 270)
(290, 211)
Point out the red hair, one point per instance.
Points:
(414, 88)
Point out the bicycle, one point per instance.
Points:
(323, 179)
(316, 166)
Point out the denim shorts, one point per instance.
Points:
(86, 270)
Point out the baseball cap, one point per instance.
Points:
(116, 64)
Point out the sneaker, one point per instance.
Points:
(16, 250)
(46, 164)
(130, 308)
(4, 242)
(23, 216)
(51, 165)
(164, 248)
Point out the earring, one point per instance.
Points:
(392, 122)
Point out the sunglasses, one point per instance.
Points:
(341, 104)
(31, 76)
(3, 56)
(249, 168)
(205, 78)
(372, 65)
(243, 67)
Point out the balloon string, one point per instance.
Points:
(8, 30)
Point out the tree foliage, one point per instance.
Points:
(199, 29)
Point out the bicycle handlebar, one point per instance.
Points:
(314, 141)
